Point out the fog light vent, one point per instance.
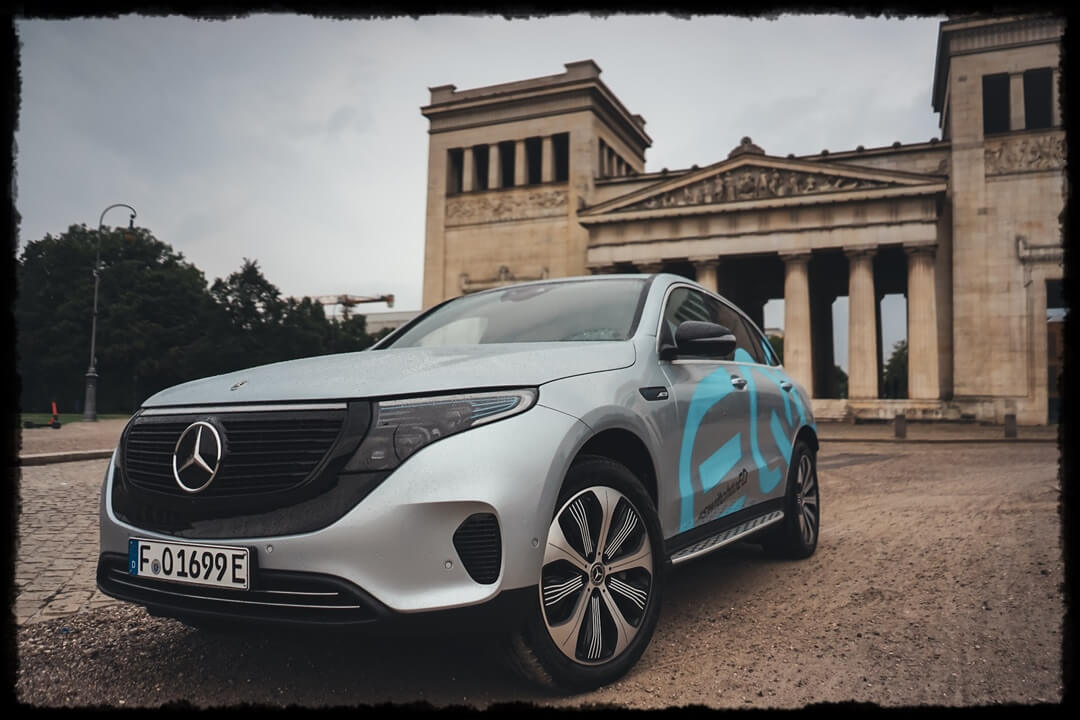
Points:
(477, 543)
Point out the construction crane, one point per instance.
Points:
(348, 301)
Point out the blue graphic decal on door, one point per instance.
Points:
(768, 478)
(718, 466)
(720, 463)
(713, 388)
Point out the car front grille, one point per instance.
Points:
(265, 452)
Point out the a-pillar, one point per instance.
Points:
(468, 173)
(706, 272)
(862, 326)
(521, 175)
(922, 330)
(547, 160)
(798, 343)
(494, 167)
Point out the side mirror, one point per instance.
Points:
(695, 337)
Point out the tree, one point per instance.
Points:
(894, 384)
(152, 307)
(777, 343)
(264, 328)
(158, 322)
(250, 300)
(840, 381)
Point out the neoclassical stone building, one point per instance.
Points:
(546, 178)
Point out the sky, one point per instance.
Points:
(298, 141)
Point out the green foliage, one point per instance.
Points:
(777, 343)
(894, 384)
(158, 322)
(840, 381)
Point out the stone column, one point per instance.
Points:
(468, 172)
(547, 160)
(706, 272)
(922, 330)
(494, 167)
(1016, 101)
(521, 175)
(1055, 107)
(862, 326)
(798, 343)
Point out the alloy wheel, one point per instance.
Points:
(597, 575)
(806, 500)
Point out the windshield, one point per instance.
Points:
(548, 312)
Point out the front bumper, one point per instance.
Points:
(394, 551)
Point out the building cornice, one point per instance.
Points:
(826, 198)
(448, 103)
(981, 33)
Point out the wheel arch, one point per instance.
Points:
(808, 434)
(628, 449)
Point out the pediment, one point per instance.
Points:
(757, 177)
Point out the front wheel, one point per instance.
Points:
(600, 582)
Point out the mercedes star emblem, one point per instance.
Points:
(197, 457)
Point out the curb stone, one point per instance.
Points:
(59, 457)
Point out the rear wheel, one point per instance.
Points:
(600, 582)
(797, 535)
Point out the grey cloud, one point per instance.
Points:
(297, 140)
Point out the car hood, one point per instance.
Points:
(403, 371)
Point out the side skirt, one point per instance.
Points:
(724, 531)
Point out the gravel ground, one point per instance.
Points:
(937, 581)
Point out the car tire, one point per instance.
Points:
(796, 536)
(594, 613)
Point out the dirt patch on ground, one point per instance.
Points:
(938, 580)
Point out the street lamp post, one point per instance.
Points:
(90, 408)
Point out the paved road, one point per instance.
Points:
(58, 541)
(938, 580)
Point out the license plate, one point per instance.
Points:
(214, 565)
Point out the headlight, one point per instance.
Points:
(401, 427)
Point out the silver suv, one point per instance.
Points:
(537, 454)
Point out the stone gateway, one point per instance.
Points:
(546, 178)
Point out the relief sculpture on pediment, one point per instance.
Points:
(752, 184)
(1026, 153)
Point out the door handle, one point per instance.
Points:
(785, 386)
(738, 382)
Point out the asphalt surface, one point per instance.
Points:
(938, 580)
